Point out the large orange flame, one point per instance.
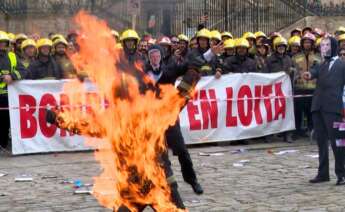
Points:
(132, 129)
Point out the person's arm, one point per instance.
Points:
(20, 72)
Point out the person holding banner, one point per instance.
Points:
(327, 107)
(11, 69)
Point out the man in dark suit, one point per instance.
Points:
(327, 107)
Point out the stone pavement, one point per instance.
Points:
(268, 182)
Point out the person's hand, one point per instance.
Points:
(306, 75)
(218, 73)
(217, 49)
(177, 53)
(7, 79)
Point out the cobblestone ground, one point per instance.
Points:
(267, 182)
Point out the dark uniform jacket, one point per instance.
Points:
(237, 64)
(45, 70)
(277, 63)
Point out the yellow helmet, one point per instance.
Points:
(21, 36)
(248, 35)
(341, 37)
(215, 34)
(229, 43)
(57, 36)
(4, 36)
(227, 34)
(130, 34)
(318, 42)
(242, 42)
(60, 40)
(11, 36)
(295, 41)
(28, 42)
(118, 46)
(340, 30)
(279, 41)
(203, 33)
(44, 42)
(183, 37)
(260, 34)
(115, 33)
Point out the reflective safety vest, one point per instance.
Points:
(13, 63)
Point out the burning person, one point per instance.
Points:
(140, 107)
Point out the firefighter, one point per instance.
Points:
(165, 43)
(215, 38)
(251, 39)
(45, 66)
(262, 53)
(29, 50)
(294, 45)
(226, 35)
(18, 42)
(260, 37)
(12, 41)
(304, 61)
(281, 61)
(130, 40)
(204, 58)
(229, 48)
(174, 43)
(56, 36)
(11, 69)
(193, 44)
(181, 53)
(296, 32)
(60, 46)
(241, 62)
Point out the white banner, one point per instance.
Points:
(237, 106)
(29, 130)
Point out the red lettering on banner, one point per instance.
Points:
(231, 120)
(48, 130)
(28, 123)
(192, 111)
(245, 116)
(267, 91)
(209, 109)
(257, 110)
(280, 102)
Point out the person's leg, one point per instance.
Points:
(298, 116)
(322, 143)
(339, 153)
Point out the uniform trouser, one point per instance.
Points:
(303, 107)
(5, 121)
(176, 144)
(323, 126)
(175, 196)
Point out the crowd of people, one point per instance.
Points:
(208, 53)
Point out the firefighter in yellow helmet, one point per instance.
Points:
(226, 35)
(262, 54)
(229, 48)
(11, 69)
(203, 58)
(130, 40)
(29, 50)
(340, 31)
(281, 61)
(252, 41)
(215, 38)
(60, 46)
(12, 40)
(45, 66)
(241, 62)
(18, 43)
(304, 61)
(294, 45)
(260, 37)
(180, 54)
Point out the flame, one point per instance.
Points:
(132, 128)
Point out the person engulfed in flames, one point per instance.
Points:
(140, 108)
